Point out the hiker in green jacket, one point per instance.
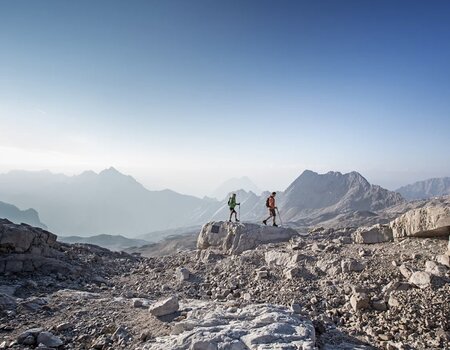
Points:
(232, 204)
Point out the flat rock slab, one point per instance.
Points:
(235, 238)
(212, 326)
(431, 221)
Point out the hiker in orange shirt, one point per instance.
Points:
(270, 204)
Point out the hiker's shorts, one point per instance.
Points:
(272, 212)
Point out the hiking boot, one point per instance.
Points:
(237, 220)
(264, 222)
(275, 225)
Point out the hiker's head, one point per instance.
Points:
(274, 194)
(233, 195)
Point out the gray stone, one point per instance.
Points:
(406, 270)
(50, 340)
(351, 265)
(330, 266)
(281, 258)
(435, 269)
(292, 273)
(420, 279)
(375, 234)
(182, 274)
(33, 332)
(254, 327)
(64, 326)
(379, 305)
(261, 274)
(359, 301)
(430, 221)
(443, 259)
(235, 238)
(7, 302)
(165, 307)
(393, 301)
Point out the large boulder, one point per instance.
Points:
(24, 238)
(431, 221)
(211, 325)
(26, 249)
(375, 234)
(165, 307)
(234, 238)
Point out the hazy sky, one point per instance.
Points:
(186, 94)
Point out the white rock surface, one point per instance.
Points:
(435, 268)
(431, 221)
(420, 279)
(443, 259)
(375, 234)
(165, 307)
(281, 258)
(235, 238)
(253, 327)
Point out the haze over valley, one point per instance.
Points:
(112, 203)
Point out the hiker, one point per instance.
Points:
(232, 204)
(270, 204)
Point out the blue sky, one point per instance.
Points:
(185, 94)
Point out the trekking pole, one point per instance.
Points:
(239, 211)
(281, 221)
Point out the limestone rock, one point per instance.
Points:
(49, 339)
(431, 221)
(281, 258)
(330, 266)
(359, 301)
(235, 238)
(351, 265)
(435, 269)
(375, 234)
(406, 270)
(254, 327)
(420, 279)
(165, 307)
(443, 259)
(182, 274)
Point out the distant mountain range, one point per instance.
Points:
(105, 203)
(14, 214)
(314, 198)
(426, 189)
(115, 204)
(234, 184)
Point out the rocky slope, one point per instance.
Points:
(319, 291)
(435, 187)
